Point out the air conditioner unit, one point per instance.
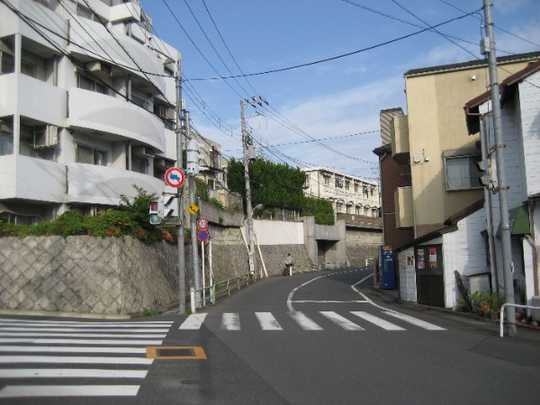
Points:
(99, 68)
(142, 151)
(46, 138)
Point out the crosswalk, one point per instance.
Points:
(359, 321)
(60, 358)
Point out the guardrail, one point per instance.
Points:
(501, 317)
(221, 289)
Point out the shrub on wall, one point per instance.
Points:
(321, 209)
(129, 219)
(277, 185)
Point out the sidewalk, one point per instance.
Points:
(391, 297)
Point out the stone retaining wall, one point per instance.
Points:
(86, 274)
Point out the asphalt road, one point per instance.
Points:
(337, 346)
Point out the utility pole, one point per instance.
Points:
(179, 162)
(193, 223)
(246, 137)
(506, 237)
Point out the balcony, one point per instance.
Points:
(403, 206)
(94, 184)
(144, 57)
(32, 179)
(18, 88)
(37, 12)
(125, 11)
(116, 116)
(400, 135)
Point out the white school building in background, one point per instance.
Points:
(348, 194)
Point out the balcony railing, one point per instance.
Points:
(116, 116)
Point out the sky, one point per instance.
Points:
(326, 100)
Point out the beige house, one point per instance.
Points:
(443, 205)
(434, 133)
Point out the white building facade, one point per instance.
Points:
(348, 194)
(85, 114)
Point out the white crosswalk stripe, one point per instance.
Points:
(230, 321)
(193, 322)
(341, 320)
(267, 321)
(414, 321)
(30, 391)
(380, 322)
(304, 322)
(117, 350)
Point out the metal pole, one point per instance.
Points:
(194, 247)
(506, 237)
(179, 162)
(249, 208)
(484, 145)
(203, 275)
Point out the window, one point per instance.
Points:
(87, 83)
(339, 182)
(348, 209)
(88, 155)
(371, 190)
(356, 187)
(139, 164)
(29, 141)
(326, 179)
(358, 210)
(7, 55)
(141, 99)
(347, 184)
(6, 136)
(339, 207)
(462, 172)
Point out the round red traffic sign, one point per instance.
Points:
(203, 236)
(202, 224)
(174, 177)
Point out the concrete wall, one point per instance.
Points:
(85, 274)
(279, 232)
(362, 244)
(464, 251)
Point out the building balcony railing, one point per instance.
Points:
(116, 116)
(36, 179)
(27, 95)
(105, 185)
(361, 221)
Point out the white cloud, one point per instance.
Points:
(344, 112)
(508, 6)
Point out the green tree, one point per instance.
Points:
(277, 185)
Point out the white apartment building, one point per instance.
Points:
(78, 130)
(348, 194)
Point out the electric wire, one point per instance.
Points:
(339, 56)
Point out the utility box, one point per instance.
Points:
(388, 276)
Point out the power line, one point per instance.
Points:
(327, 138)
(128, 54)
(454, 43)
(497, 27)
(445, 36)
(29, 21)
(409, 23)
(339, 56)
